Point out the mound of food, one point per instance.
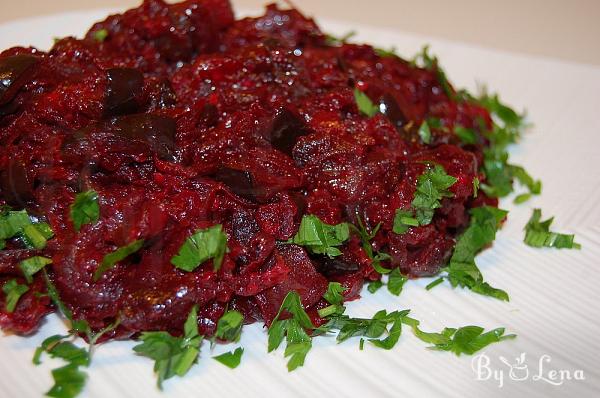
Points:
(176, 157)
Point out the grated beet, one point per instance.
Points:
(182, 118)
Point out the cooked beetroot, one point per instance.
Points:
(180, 118)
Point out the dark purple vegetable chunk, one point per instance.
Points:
(15, 71)
(125, 87)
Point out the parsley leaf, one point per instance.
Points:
(13, 292)
(396, 282)
(364, 104)
(203, 245)
(68, 382)
(319, 237)
(293, 329)
(432, 186)
(100, 35)
(403, 220)
(32, 265)
(229, 327)
(370, 328)
(470, 339)
(462, 270)
(36, 235)
(424, 60)
(335, 41)
(374, 286)
(538, 234)
(19, 224)
(366, 237)
(85, 209)
(111, 259)
(231, 359)
(173, 356)
(425, 132)
(335, 293)
(466, 135)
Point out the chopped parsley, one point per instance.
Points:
(13, 292)
(383, 53)
(366, 237)
(425, 60)
(432, 187)
(229, 326)
(334, 296)
(33, 234)
(465, 340)
(32, 265)
(425, 132)
(85, 209)
(111, 259)
(364, 104)
(100, 35)
(462, 270)
(374, 286)
(403, 220)
(506, 130)
(335, 41)
(396, 282)
(231, 359)
(293, 329)
(173, 356)
(319, 237)
(538, 234)
(466, 135)
(203, 245)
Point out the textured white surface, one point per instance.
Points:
(554, 305)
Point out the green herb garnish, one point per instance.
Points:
(111, 259)
(538, 234)
(173, 356)
(396, 282)
(19, 224)
(231, 359)
(462, 270)
(32, 265)
(432, 187)
(203, 245)
(319, 237)
(293, 329)
(335, 41)
(100, 35)
(364, 104)
(85, 209)
(13, 292)
(229, 327)
(425, 132)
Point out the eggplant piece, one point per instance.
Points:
(17, 187)
(285, 130)
(334, 266)
(157, 131)
(240, 182)
(389, 107)
(125, 87)
(15, 71)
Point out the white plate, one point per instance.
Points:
(553, 308)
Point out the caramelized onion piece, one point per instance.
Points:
(125, 86)
(17, 187)
(15, 71)
(287, 127)
(157, 131)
